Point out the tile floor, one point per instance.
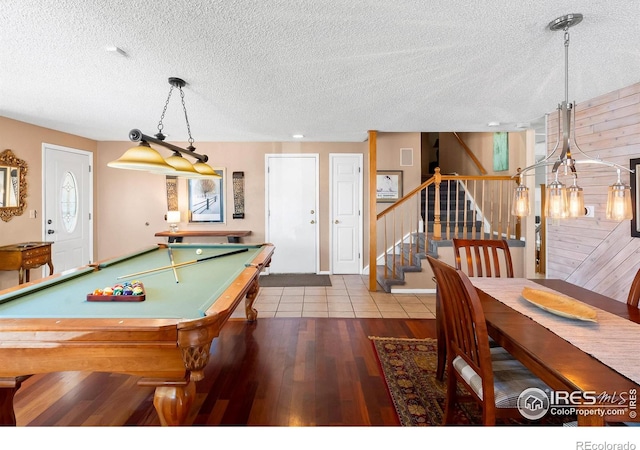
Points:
(348, 296)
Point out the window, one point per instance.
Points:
(69, 202)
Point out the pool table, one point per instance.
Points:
(50, 326)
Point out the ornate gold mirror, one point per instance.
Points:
(13, 185)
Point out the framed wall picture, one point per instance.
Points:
(172, 193)
(634, 164)
(500, 151)
(206, 198)
(388, 186)
(238, 195)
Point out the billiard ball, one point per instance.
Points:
(199, 251)
(138, 290)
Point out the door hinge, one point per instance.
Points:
(89, 168)
(89, 216)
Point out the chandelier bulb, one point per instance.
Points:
(619, 201)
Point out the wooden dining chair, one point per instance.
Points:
(484, 257)
(491, 375)
(634, 292)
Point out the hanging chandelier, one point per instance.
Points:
(562, 201)
(144, 157)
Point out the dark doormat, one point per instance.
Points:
(294, 279)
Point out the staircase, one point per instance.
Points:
(467, 206)
(455, 208)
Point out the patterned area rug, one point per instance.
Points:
(409, 369)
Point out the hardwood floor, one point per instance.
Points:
(277, 371)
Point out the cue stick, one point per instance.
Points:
(173, 264)
(194, 261)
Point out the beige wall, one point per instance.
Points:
(453, 158)
(133, 204)
(388, 158)
(25, 141)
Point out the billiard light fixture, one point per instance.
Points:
(561, 201)
(144, 157)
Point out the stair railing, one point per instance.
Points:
(443, 207)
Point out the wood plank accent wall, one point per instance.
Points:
(597, 253)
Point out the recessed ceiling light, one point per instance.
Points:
(298, 136)
(114, 49)
(493, 124)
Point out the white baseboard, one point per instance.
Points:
(412, 291)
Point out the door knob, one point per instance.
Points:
(313, 221)
(337, 221)
(312, 211)
(50, 231)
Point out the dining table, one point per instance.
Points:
(594, 363)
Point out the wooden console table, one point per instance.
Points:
(25, 256)
(177, 236)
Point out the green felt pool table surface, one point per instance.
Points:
(200, 285)
(49, 326)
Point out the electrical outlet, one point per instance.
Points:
(590, 211)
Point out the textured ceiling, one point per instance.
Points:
(329, 69)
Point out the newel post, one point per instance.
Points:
(518, 223)
(437, 227)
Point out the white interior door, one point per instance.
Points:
(346, 213)
(292, 212)
(68, 205)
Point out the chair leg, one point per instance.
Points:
(488, 414)
(452, 395)
(488, 419)
(441, 338)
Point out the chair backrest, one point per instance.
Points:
(634, 292)
(464, 323)
(483, 257)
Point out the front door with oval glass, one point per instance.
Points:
(67, 180)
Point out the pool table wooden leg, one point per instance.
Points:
(7, 415)
(173, 403)
(8, 389)
(250, 311)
